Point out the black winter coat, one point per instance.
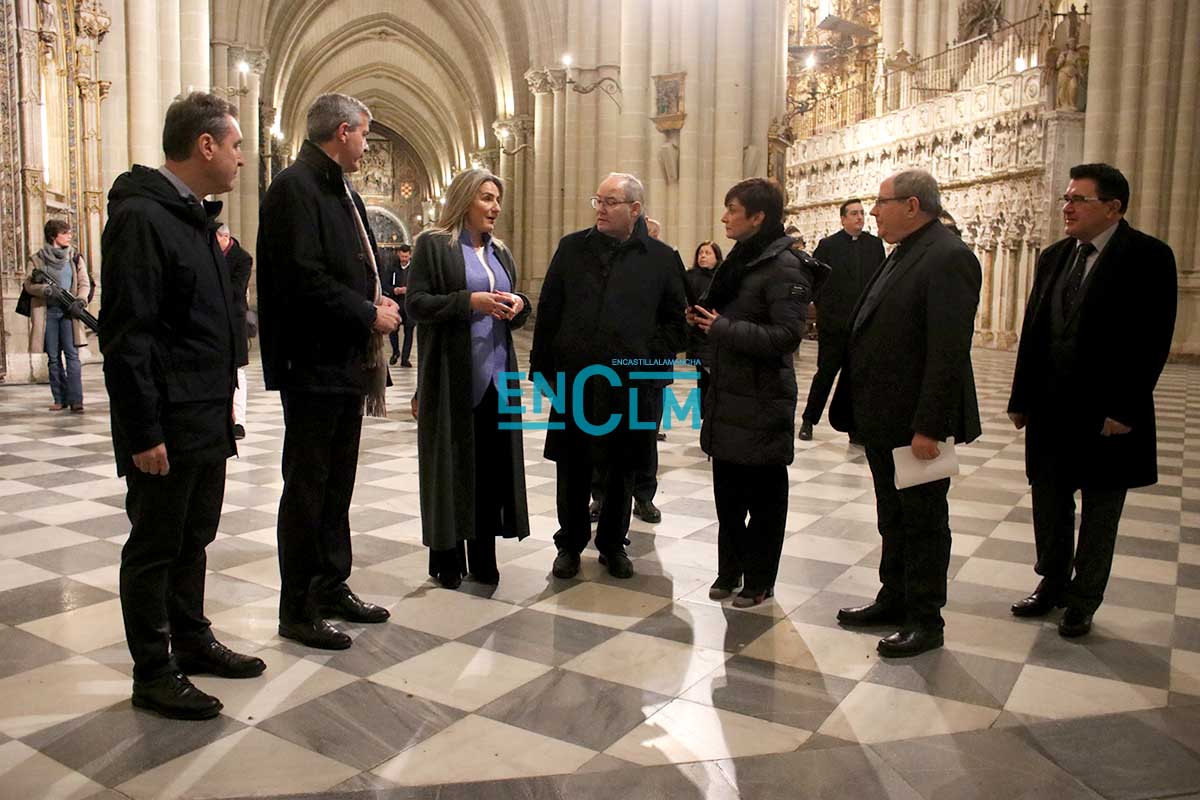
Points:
(603, 300)
(240, 266)
(1102, 369)
(440, 303)
(762, 291)
(316, 285)
(166, 325)
(698, 281)
(908, 365)
(854, 264)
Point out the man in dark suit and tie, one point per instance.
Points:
(907, 382)
(1084, 386)
(393, 269)
(854, 255)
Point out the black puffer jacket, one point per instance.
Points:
(166, 325)
(762, 293)
(241, 264)
(698, 281)
(316, 286)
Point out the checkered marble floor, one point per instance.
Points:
(597, 687)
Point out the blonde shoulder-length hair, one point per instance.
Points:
(459, 197)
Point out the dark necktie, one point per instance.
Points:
(1075, 277)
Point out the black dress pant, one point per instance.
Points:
(915, 526)
(173, 517)
(831, 348)
(749, 551)
(320, 459)
(394, 337)
(644, 483)
(574, 476)
(1054, 536)
(493, 478)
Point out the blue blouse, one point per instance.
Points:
(489, 338)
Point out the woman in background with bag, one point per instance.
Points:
(51, 331)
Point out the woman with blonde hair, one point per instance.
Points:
(472, 472)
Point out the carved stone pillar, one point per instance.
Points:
(512, 134)
(92, 23)
(543, 123)
(145, 118)
(247, 185)
(33, 185)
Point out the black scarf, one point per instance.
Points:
(729, 275)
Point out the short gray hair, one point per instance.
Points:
(631, 187)
(329, 111)
(920, 184)
(223, 229)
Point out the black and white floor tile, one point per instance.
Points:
(597, 687)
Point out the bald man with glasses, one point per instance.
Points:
(1083, 389)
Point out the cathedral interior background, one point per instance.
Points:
(997, 98)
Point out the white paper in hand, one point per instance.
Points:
(912, 471)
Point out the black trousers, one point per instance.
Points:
(749, 551)
(394, 337)
(574, 474)
(643, 484)
(831, 349)
(320, 459)
(915, 526)
(493, 477)
(1054, 537)
(173, 517)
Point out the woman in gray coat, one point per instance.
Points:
(460, 293)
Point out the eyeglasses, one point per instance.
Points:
(1073, 199)
(881, 200)
(608, 202)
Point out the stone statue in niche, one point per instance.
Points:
(375, 174)
(1070, 67)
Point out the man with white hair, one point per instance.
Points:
(907, 382)
(613, 295)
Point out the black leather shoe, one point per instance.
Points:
(1038, 604)
(350, 607)
(661, 436)
(748, 599)
(806, 431)
(870, 615)
(594, 510)
(239, 432)
(217, 659)
(647, 512)
(174, 696)
(449, 580)
(395, 357)
(406, 364)
(491, 578)
(566, 564)
(723, 589)
(317, 633)
(902, 644)
(1074, 623)
(618, 563)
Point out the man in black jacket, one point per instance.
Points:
(393, 262)
(854, 255)
(1085, 388)
(907, 382)
(166, 331)
(611, 293)
(240, 264)
(322, 319)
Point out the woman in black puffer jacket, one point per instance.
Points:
(754, 317)
(704, 265)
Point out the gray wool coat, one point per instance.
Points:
(439, 302)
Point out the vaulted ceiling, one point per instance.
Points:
(438, 72)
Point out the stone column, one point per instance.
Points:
(950, 18)
(929, 28)
(1183, 225)
(1104, 73)
(691, 206)
(236, 89)
(908, 36)
(729, 137)
(1153, 125)
(168, 53)
(635, 81)
(33, 180)
(521, 128)
(194, 35)
(114, 112)
(558, 161)
(654, 179)
(543, 125)
(247, 184)
(145, 116)
(891, 24)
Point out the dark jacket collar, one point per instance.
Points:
(639, 238)
(329, 171)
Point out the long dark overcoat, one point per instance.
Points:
(440, 303)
